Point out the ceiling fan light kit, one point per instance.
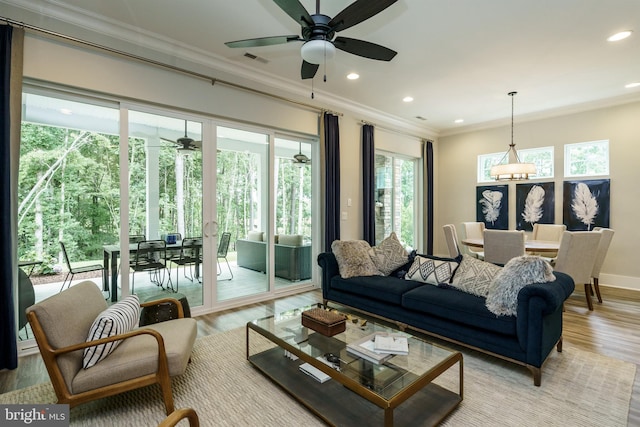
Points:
(516, 170)
(318, 31)
(317, 51)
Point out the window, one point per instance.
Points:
(586, 158)
(395, 193)
(542, 157)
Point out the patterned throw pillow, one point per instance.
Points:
(389, 254)
(353, 258)
(432, 270)
(474, 276)
(120, 318)
(519, 272)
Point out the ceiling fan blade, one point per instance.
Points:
(167, 140)
(296, 10)
(264, 41)
(308, 70)
(364, 49)
(358, 11)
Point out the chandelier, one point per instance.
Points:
(516, 170)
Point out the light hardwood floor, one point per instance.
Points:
(612, 329)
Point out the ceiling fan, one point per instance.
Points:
(301, 159)
(184, 144)
(318, 31)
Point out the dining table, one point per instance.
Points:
(529, 245)
(110, 262)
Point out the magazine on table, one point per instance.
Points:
(390, 343)
(364, 348)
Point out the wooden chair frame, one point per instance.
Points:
(51, 354)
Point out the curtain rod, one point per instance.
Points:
(421, 138)
(159, 64)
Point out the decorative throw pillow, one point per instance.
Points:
(502, 298)
(120, 318)
(389, 254)
(257, 236)
(353, 258)
(474, 276)
(432, 270)
(290, 239)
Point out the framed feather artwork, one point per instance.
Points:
(586, 204)
(535, 203)
(492, 206)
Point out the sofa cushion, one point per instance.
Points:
(256, 236)
(389, 254)
(290, 239)
(353, 258)
(120, 318)
(474, 276)
(502, 298)
(457, 307)
(381, 288)
(432, 270)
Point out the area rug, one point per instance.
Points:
(579, 388)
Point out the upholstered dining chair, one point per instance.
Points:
(502, 245)
(451, 238)
(603, 248)
(549, 233)
(474, 230)
(577, 256)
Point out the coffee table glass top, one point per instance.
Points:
(386, 379)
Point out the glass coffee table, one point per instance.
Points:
(398, 391)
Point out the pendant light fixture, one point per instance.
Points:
(512, 171)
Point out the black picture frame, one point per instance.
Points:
(535, 204)
(492, 206)
(586, 204)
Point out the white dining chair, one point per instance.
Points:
(474, 230)
(603, 248)
(577, 256)
(451, 237)
(502, 245)
(548, 233)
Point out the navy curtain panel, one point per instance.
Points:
(368, 185)
(8, 345)
(428, 154)
(332, 180)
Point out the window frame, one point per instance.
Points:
(568, 158)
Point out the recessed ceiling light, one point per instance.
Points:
(66, 111)
(353, 76)
(407, 99)
(619, 36)
(458, 121)
(631, 85)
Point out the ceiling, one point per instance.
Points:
(458, 59)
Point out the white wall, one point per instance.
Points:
(620, 124)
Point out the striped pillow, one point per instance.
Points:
(120, 318)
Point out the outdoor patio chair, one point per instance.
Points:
(223, 249)
(150, 256)
(149, 355)
(76, 270)
(189, 254)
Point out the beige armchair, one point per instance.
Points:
(179, 415)
(145, 356)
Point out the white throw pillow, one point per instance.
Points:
(474, 276)
(120, 318)
(389, 254)
(431, 270)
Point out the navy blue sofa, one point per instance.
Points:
(456, 316)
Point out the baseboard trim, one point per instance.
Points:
(617, 281)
